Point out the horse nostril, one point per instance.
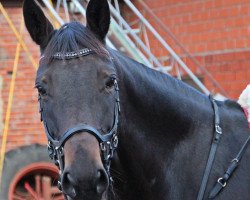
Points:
(67, 185)
(102, 181)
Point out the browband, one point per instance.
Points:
(74, 54)
(71, 55)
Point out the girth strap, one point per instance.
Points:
(216, 140)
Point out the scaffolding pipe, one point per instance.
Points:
(125, 24)
(163, 26)
(52, 10)
(66, 10)
(166, 46)
(131, 46)
(9, 106)
(113, 23)
(109, 43)
(18, 36)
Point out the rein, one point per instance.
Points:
(222, 181)
(108, 142)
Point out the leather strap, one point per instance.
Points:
(84, 128)
(222, 181)
(215, 142)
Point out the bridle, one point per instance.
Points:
(108, 142)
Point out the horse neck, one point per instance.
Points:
(159, 122)
(155, 103)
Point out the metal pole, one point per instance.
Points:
(163, 26)
(118, 10)
(18, 36)
(128, 44)
(125, 24)
(66, 10)
(9, 105)
(58, 3)
(113, 22)
(176, 57)
(52, 10)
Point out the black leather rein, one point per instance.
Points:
(108, 142)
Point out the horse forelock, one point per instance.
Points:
(72, 37)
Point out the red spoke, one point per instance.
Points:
(38, 185)
(21, 195)
(58, 198)
(17, 197)
(55, 190)
(31, 191)
(57, 194)
(46, 187)
(35, 183)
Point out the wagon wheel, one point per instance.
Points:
(29, 175)
(36, 181)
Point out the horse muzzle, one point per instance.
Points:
(92, 187)
(84, 176)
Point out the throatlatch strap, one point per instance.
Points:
(216, 140)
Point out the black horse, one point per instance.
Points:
(91, 96)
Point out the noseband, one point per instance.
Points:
(108, 142)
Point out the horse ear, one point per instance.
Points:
(38, 26)
(98, 18)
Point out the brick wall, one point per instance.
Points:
(216, 32)
(25, 127)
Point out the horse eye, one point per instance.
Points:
(110, 83)
(41, 90)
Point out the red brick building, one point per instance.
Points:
(215, 32)
(25, 127)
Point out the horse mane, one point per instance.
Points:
(72, 37)
(161, 81)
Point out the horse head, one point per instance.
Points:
(78, 95)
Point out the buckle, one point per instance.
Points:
(60, 150)
(116, 85)
(235, 160)
(218, 129)
(103, 146)
(50, 150)
(115, 141)
(59, 185)
(220, 181)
